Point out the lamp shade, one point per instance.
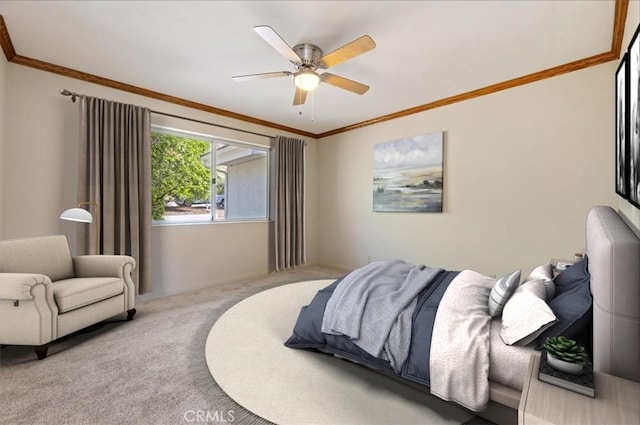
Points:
(77, 214)
(306, 79)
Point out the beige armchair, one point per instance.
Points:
(45, 293)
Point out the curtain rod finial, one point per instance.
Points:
(66, 92)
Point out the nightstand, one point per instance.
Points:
(617, 401)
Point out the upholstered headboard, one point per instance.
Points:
(613, 252)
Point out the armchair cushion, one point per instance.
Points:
(71, 294)
(48, 255)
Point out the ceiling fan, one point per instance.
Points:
(307, 58)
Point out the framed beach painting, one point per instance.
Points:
(408, 174)
(622, 128)
(633, 57)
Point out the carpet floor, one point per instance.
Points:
(151, 370)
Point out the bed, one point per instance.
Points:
(468, 338)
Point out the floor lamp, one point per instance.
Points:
(81, 215)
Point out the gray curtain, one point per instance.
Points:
(115, 173)
(289, 200)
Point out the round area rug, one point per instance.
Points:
(246, 356)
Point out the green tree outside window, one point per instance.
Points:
(177, 171)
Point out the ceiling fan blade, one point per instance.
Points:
(272, 37)
(348, 51)
(262, 76)
(344, 83)
(299, 97)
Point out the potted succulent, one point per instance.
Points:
(565, 354)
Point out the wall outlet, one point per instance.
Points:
(368, 259)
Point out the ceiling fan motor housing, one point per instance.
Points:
(309, 53)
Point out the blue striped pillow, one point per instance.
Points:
(501, 291)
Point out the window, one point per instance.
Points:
(202, 178)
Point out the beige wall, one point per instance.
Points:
(41, 180)
(631, 213)
(3, 91)
(522, 168)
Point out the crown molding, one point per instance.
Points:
(619, 20)
(95, 79)
(5, 41)
(620, 16)
(494, 88)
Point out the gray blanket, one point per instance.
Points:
(374, 306)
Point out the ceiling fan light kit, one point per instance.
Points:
(307, 58)
(306, 79)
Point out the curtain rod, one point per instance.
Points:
(210, 123)
(74, 96)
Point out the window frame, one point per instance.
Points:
(214, 141)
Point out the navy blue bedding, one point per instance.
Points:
(307, 332)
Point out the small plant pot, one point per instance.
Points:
(564, 366)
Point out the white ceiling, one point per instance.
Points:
(426, 50)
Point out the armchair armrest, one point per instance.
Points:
(19, 286)
(120, 266)
(104, 265)
(28, 312)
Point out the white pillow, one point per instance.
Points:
(501, 291)
(544, 272)
(526, 314)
